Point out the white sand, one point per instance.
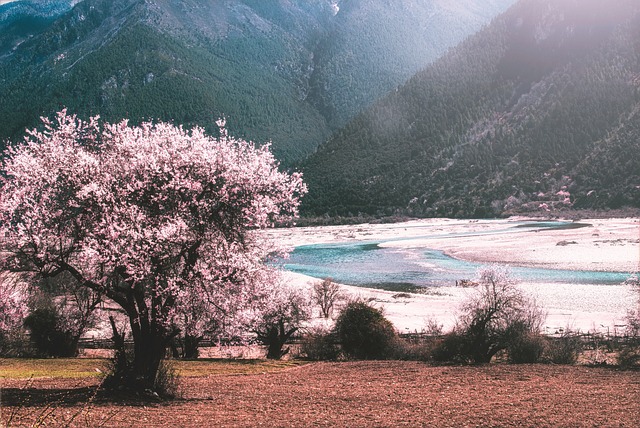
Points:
(605, 245)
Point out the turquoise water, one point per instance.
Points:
(367, 264)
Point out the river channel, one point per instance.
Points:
(369, 263)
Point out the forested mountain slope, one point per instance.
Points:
(538, 111)
(286, 71)
(24, 19)
(373, 46)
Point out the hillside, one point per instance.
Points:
(286, 71)
(540, 110)
(22, 20)
(373, 46)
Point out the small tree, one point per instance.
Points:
(326, 294)
(495, 317)
(364, 332)
(141, 214)
(279, 316)
(196, 320)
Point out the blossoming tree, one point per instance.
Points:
(278, 315)
(149, 216)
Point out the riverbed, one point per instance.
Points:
(575, 270)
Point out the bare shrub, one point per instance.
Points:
(564, 349)
(326, 294)
(433, 328)
(413, 349)
(633, 324)
(320, 345)
(493, 318)
(167, 383)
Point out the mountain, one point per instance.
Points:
(373, 46)
(290, 71)
(540, 110)
(21, 20)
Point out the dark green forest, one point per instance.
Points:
(542, 103)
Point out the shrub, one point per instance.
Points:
(564, 349)
(412, 350)
(629, 357)
(167, 384)
(526, 348)
(452, 348)
(320, 345)
(120, 373)
(493, 318)
(364, 332)
(14, 343)
(48, 334)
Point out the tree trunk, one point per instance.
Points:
(148, 353)
(140, 372)
(190, 346)
(276, 337)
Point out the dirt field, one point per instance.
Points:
(357, 394)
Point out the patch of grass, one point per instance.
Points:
(219, 367)
(74, 368)
(25, 368)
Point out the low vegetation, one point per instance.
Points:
(497, 322)
(16, 369)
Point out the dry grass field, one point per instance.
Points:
(344, 394)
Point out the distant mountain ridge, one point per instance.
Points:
(287, 71)
(539, 111)
(21, 20)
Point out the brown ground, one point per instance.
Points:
(356, 394)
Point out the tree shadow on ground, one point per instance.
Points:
(69, 397)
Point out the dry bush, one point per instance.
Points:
(413, 349)
(564, 349)
(495, 317)
(526, 348)
(320, 345)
